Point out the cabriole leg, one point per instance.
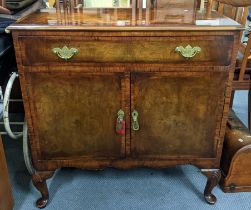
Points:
(212, 181)
(39, 181)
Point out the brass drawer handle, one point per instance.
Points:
(65, 53)
(135, 123)
(188, 51)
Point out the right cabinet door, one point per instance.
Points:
(178, 114)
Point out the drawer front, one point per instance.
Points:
(53, 50)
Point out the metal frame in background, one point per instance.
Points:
(7, 123)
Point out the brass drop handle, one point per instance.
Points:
(65, 53)
(135, 123)
(120, 123)
(188, 51)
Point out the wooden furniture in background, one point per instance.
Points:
(3, 10)
(2, 3)
(235, 163)
(238, 10)
(6, 200)
(236, 155)
(236, 3)
(103, 88)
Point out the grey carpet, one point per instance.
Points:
(73, 189)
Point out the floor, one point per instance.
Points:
(178, 188)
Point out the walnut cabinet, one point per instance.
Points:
(100, 95)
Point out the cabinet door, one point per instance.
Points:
(179, 113)
(74, 114)
(6, 200)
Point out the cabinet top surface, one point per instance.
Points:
(123, 19)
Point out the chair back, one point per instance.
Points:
(2, 3)
(238, 11)
(97, 3)
(236, 3)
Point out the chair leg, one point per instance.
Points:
(232, 99)
(249, 110)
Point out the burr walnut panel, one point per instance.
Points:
(181, 129)
(215, 50)
(75, 114)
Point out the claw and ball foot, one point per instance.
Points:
(212, 181)
(39, 181)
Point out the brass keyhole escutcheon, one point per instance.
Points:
(120, 119)
(120, 125)
(135, 123)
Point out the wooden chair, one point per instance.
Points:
(238, 10)
(138, 2)
(6, 201)
(3, 10)
(2, 3)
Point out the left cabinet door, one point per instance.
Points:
(6, 200)
(73, 114)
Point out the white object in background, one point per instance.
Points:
(98, 3)
(6, 101)
(215, 22)
(106, 3)
(202, 5)
(144, 4)
(26, 150)
(1, 93)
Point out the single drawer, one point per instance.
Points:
(186, 50)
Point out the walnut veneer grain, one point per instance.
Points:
(136, 49)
